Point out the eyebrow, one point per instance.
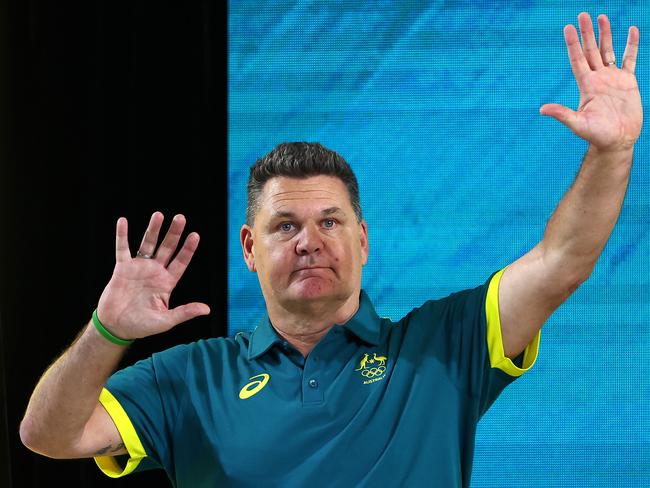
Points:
(287, 214)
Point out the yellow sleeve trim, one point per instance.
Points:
(108, 464)
(498, 358)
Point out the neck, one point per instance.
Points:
(304, 328)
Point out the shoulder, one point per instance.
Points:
(212, 350)
(466, 305)
(441, 306)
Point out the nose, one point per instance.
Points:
(309, 240)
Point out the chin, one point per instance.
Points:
(314, 289)
(312, 292)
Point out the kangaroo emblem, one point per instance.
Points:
(362, 363)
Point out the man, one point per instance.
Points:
(324, 392)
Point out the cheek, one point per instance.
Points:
(279, 260)
(352, 245)
(346, 253)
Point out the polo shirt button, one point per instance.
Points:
(313, 383)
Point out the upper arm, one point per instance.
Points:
(100, 437)
(531, 289)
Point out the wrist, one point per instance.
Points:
(617, 153)
(107, 334)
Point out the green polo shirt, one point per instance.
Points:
(376, 402)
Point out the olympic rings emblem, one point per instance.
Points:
(372, 372)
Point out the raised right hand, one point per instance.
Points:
(135, 303)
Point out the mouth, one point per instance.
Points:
(311, 270)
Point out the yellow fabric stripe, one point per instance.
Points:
(108, 464)
(498, 358)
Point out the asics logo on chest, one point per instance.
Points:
(257, 383)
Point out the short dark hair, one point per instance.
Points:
(299, 160)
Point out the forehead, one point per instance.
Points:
(282, 193)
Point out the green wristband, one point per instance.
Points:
(102, 330)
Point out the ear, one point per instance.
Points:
(246, 240)
(365, 246)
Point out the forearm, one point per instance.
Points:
(68, 392)
(583, 221)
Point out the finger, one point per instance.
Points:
(631, 50)
(122, 252)
(562, 114)
(150, 238)
(579, 64)
(169, 243)
(605, 41)
(179, 264)
(589, 47)
(183, 313)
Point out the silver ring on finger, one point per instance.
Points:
(140, 254)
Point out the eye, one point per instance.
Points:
(286, 226)
(329, 223)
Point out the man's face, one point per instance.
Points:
(306, 244)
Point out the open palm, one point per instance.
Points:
(135, 303)
(610, 114)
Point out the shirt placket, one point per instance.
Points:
(314, 376)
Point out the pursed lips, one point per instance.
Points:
(310, 268)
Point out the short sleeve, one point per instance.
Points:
(142, 414)
(496, 352)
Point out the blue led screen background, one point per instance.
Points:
(436, 107)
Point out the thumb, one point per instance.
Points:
(186, 312)
(560, 113)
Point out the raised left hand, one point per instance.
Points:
(610, 115)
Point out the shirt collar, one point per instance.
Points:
(365, 324)
(263, 337)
